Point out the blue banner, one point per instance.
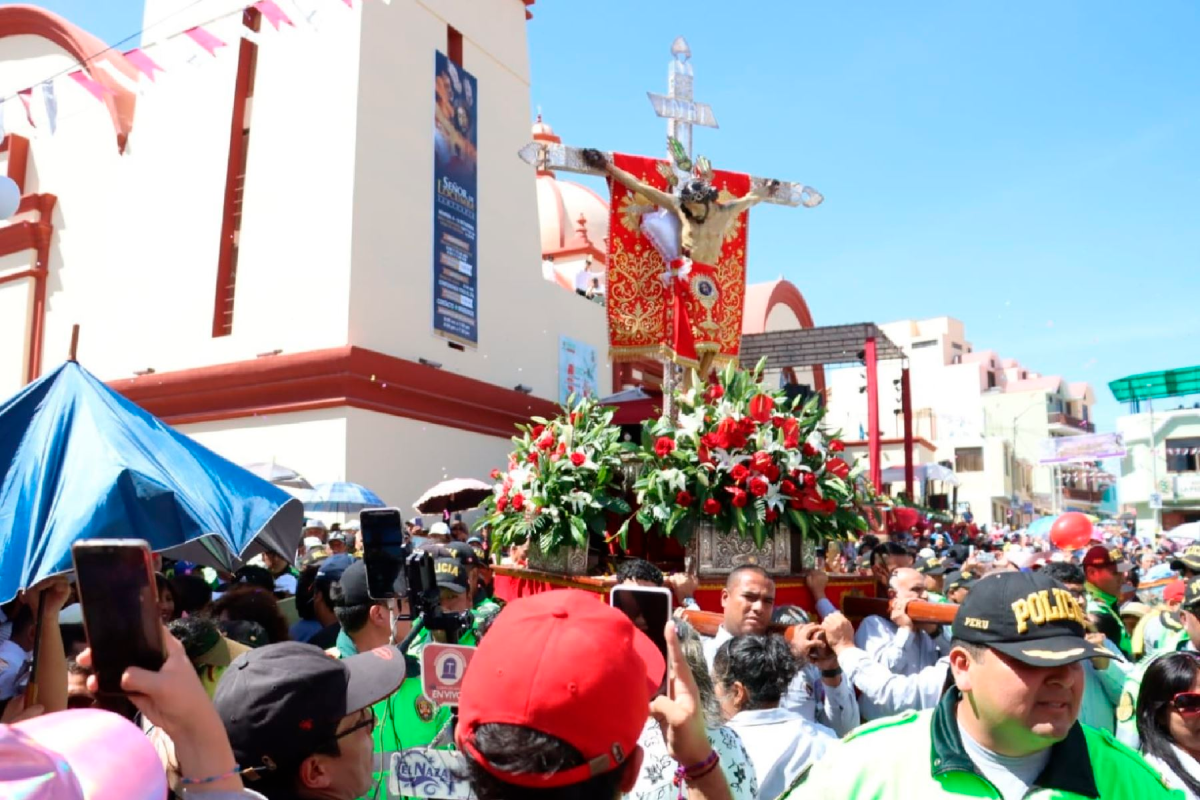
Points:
(576, 370)
(455, 168)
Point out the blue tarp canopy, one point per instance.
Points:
(82, 462)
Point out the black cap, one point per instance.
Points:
(280, 703)
(354, 586)
(1189, 558)
(333, 567)
(1027, 616)
(465, 554)
(959, 579)
(451, 574)
(251, 575)
(1191, 595)
(935, 566)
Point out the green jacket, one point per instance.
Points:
(1106, 609)
(921, 755)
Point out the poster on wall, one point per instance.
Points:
(455, 248)
(1090, 447)
(576, 369)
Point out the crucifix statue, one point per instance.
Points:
(693, 219)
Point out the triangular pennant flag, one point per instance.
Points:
(142, 62)
(273, 13)
(50, 102)
(349, 3)
(26, 95)
(204, 39)
(94, 87)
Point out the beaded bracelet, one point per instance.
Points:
(236, 771)
(696, 771)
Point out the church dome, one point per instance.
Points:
(562, 204)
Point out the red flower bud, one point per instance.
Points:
(808, 450)
(684, 499)
(772, 516)
(761, 461)
(518, 502)
(501, 503)
(837, 468)
(495, 474)
(578, 459)
(739, 473)
(739, 497)
(546, 442)
(664, 447)
(533, 457)
(772, 473)
(714, 393)
(837, 446)
(537, 431)
(759, 487)
(810, 479)
(788, 488)
(711, 506)
(777, 421)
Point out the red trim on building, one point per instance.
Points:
(341, 376)
(454, 45)
(17, 148)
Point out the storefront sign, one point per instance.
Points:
(1187, 485)
(576, 370)
(455, 208)
(1089, 447)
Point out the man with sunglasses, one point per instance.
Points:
(1185, 640)
(1007, 724)
(301, 722)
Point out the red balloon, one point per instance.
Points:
(1071, 531)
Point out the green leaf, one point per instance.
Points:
(760, 533)
(595, 523)
(617, 505)
(623, 532)
(740, 519)
(579, 531)
(800, 520)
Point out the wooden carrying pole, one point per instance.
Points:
(706, 623)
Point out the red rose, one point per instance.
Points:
(761, 461)
(578, 459)
(810, 480)
(495, 474)
(711, 441)
(761, 407)
(711, 506)
(747, 427)
(772, 515)
(537, 431)
(533, 457)
(810, 502)
(837, 468)
(664, 447)
(808, 450)
(788, 488)
(828, 505)
(759, 487)
(739, 497)
(837, 446)
(684, 499)
(546, 442)
(791, 442)
(518, 502)
(501, 503)
(777, 421)
(739, 473)
(791, 433)
(729, 437)
(714, 393)
(772, 473)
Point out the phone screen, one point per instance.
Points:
(649, 608)
(383, 550)
(120, 608)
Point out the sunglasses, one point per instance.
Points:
(1186, 703)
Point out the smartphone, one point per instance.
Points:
(649, 608)
(384, 550)
(119, 600)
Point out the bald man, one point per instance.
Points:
(900, 645)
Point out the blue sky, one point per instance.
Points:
(1030, 168)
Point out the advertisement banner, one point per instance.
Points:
(1187, 485)
(455, 249)
(1090, 447)
(576, 370)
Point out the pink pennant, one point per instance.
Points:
(97, 89)
(142, 62)
(349, 3)
(26, 96)
(204, 39)
(273, 13)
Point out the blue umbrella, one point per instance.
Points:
(82, 462)
(1040, 527)
(340, 496)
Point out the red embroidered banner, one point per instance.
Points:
(678, 311)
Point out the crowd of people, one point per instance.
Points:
(1056, 678)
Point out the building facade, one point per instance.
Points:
(1161, 484)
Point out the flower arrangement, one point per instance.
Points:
(560, 480)
(744, 458)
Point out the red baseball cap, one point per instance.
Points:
(1173, 591)
(1101, 556)
(559, 663)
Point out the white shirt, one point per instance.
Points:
(807, 695)
(13, 671)
(902, 650)
(885, 693)
(655, 781)
(781, 744)
(1012, 775)
(1172, 779)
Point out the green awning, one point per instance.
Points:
(1153, 385)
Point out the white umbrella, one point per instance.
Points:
(1189, 531)
(278, 474)
(921, 472)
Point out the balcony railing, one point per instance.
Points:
(1059, 418)
(1084, 495)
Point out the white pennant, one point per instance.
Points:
(124, 80)
(251, 35)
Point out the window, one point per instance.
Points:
(925, 343)
(1183, 455)
(968, 459)
(955, 359)
(956, 345)
(991, 380)
(1024, 375)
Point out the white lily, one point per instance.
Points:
(726, 461)
(775, 498)
(690, 424)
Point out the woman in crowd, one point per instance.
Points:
(751, 674)
(1168, 720)
(655, 781)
